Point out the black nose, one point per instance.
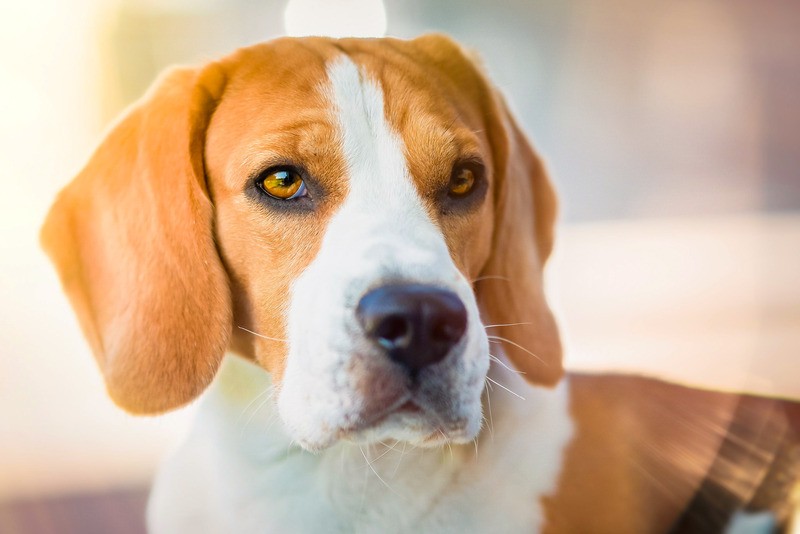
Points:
(416, 324)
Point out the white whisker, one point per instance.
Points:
(402, 453)
(452, 458)
(376, 473)
(505, 388)
(256, 398)
(387, 445)
(505, 324)
(263, 336)
(501, 362)
(253, 414)
(384, 453)
(498, 338)
(487, 387)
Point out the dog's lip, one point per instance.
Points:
(409, 407)
(403, 405)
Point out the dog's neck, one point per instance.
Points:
(466, 487)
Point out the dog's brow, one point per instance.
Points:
(309, 139)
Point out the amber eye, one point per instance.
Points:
(284, 184)
(462, 182)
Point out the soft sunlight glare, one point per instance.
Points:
(335, 18)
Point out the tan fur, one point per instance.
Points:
(644, 449)
(441, 94)
(131, 237)
(164, 257)
(136, 235)
(271, 113)
(641, 450)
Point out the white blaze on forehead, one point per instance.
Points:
(375, 159)
(382, 233)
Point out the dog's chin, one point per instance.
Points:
(405, 421)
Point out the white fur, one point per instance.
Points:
(381, 234)
(238, 470)
(246, 467)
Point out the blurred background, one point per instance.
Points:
(671, 127)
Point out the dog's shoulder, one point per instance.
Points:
(668, 452)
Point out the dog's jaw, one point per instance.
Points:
(336, 384)
(238, 454)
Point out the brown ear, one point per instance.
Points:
(131, 238)
(510, 288)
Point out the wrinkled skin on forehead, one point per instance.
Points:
(275, 111)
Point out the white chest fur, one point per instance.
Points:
(239, 472)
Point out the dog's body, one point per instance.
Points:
(346, 215)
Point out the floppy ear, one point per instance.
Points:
(131, 237)
(510, 287)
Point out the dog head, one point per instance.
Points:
(342, 212)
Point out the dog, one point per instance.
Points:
(363, 225)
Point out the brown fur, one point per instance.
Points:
(131, 237)
(164, 257)
(645, 449)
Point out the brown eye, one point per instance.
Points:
(284, 184)
(462, 182)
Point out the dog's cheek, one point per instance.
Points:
(469, 240)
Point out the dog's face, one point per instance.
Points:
(366, 270)
(341, 212)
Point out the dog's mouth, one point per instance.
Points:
(410, 417)
(371, 394)
(409, 407)
(403, 406)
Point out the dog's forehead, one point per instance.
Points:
(280, 104)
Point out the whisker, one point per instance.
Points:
(387, 445)
(452, 458)
(505, 388)
(506, 324)
(376, 473)
(253, 414)
(402, 453)
(249, 404)
(501, 362)
(263, 336)
(457, 117)
(384, 453)
(498, 338)
(487, 387)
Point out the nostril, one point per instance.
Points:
(393, 331)
(449, 331)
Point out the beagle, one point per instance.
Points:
(364, 226)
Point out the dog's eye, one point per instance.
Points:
(283, 184)
(461, 182)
